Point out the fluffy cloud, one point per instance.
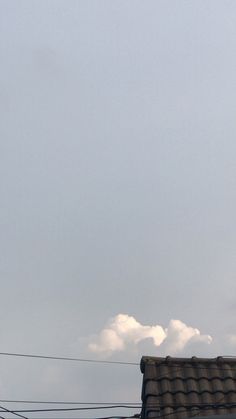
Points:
(231, 339)
(124, 330)
(178, 335)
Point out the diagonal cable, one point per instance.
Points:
(12, 411)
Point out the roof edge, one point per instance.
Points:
(152, 360)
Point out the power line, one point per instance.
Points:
(189, 406)
(98, 406)
(11, 411)
(136, 416)
(74, 409)
(103, 417)
(98, 361)
(68, 402)
(169, 405)
(62, 358)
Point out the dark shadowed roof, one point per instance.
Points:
(178, 388)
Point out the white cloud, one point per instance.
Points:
(231, 339)
(124, 330)
(108, 340)
(178, 334)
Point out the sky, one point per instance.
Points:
(117, 182)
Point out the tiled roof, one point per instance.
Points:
(178, 388)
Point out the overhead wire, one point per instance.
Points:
(74, 409)
(66, 358)
(93, 417)
(97, 405)
(4, 409)
(67, 402)
(190, 407)
(127, 406)
(99, 361)
(103, 417)
(170, 405)
(135, 416)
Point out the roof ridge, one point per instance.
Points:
(169, 358)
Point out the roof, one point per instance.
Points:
(226, 416)
(188, 387)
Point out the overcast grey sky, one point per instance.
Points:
(118, 180)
